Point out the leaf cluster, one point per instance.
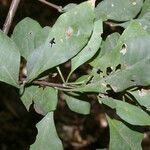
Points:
(120, 66)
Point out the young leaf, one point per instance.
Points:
(47, 138)
(122, 137)
(9, 61)
(24, 34)
(143, 97)
(130, 113)
(77, 105)
(118, 10)
(91, 48)
(45, 100)
(67, 37)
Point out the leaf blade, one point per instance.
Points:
(47, 137)
(70, 36)
(24, 34)
(126, 137)
(130, 113)
(9, 55)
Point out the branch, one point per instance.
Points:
(55, 85)
(58, 8)
(10, 15)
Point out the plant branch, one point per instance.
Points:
(58, 8)
(10, 15)
(55, 85)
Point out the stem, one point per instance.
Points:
(58, 8)
(55, 85)
(60, 73)
(74, 83)
(10, 15)
(69, 76)
(62, 89)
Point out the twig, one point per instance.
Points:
(55, 85)
(10, 15)
(60, 73)
(58, 8)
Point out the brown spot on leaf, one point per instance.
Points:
(69, 32)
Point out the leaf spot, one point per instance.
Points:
(112, 5)
(103, 84)
(69, 32)
(134, 3)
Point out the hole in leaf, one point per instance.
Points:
(52, 41)
(109, 70)
(133, 80)
(118, 67)
(30, 33)
(99, 71)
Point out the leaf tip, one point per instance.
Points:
(92, 2)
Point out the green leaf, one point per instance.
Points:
(47, 138)
(130, 113)
(41, 36)
(107, 46)
(112, 58)
(122, 137)
(118, 10)
(145, 8)
(92, 47)
(144, 22)
(45, 100)
(69, 7)
(83, 79)
(70, 34)
(24, 34)
(9, 61)
(77, 105)
(135, 66)
(143, 97)
(134, 58)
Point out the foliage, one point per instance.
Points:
(120, 66)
